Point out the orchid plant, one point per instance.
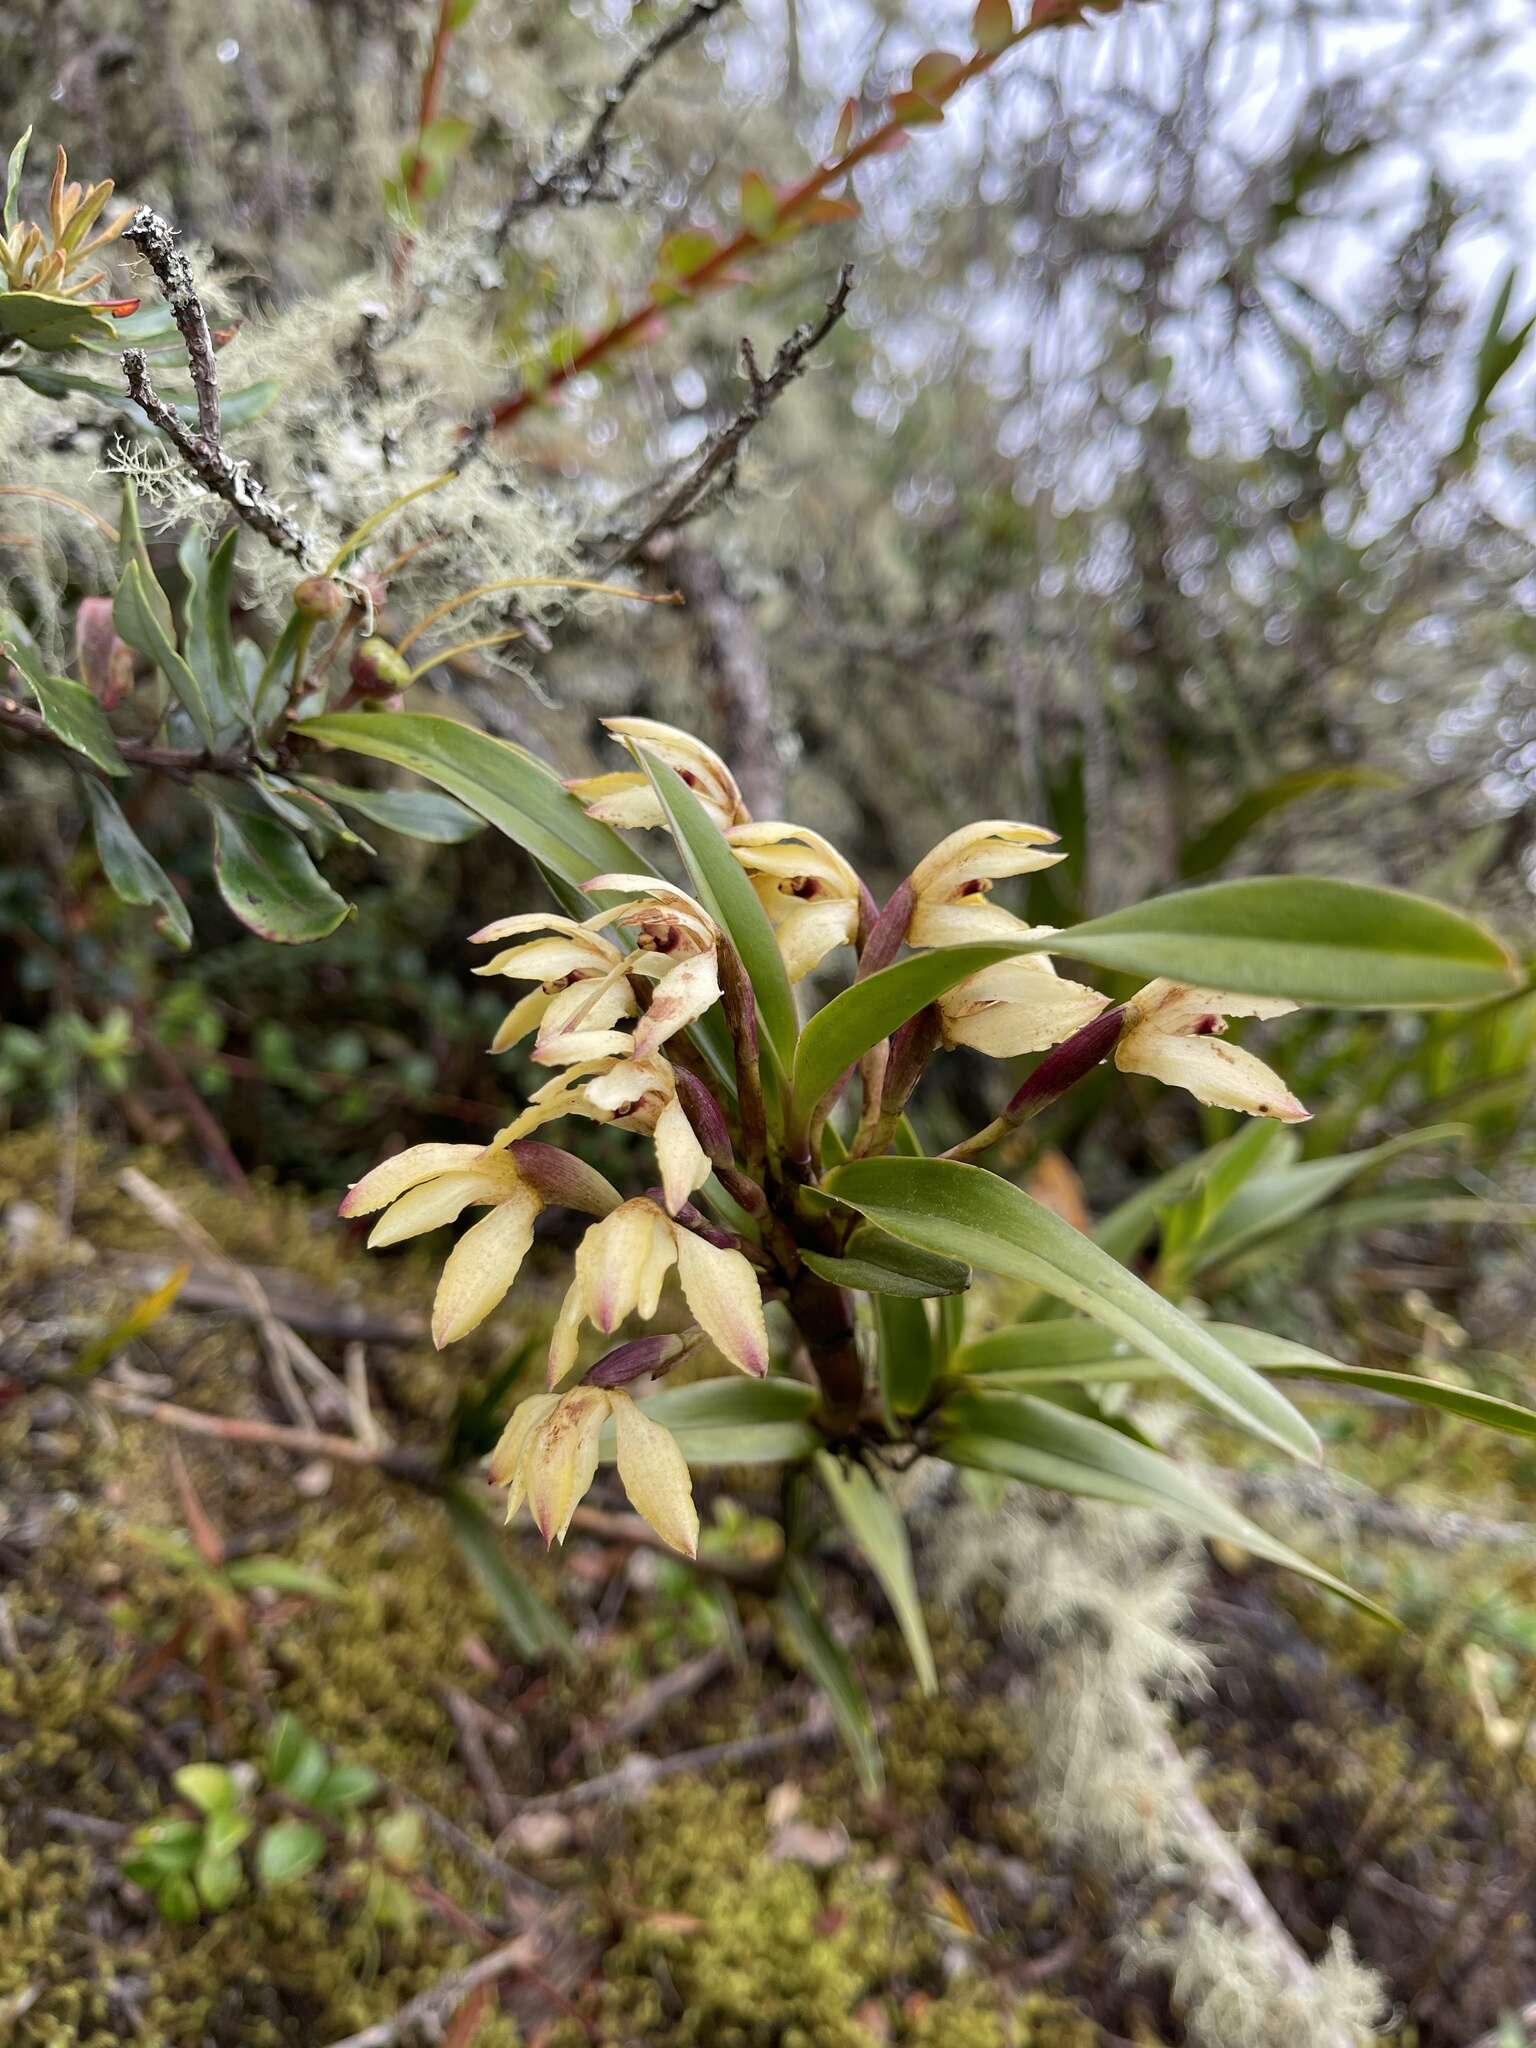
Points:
(819, 1254)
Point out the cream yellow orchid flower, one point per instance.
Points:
(549, 1450)
(951, 885)
(621, 1266)
(636, 1095)
(625, 798)
(676, 944)
(429, 1185)
(1017, 1006)
(809, 891)
(1175, 1036)
(583, 993)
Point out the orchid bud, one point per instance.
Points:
(706, 1117)
(630, 1361)
(320, 597)
(379, 670)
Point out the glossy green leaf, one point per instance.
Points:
(734, 1421)
(965, 1212)
(1314, 940)
(828, 1664)
(416, 813)
(134, 873)
(535, 1629)
(68, 709)
(46, 321)
(843, 1030)
(878, 1529)
(288, 1850)
(137, 619)
(1043, 1444)
(269, 881)
(502, 783)
(721, 885)
(1221, 839)
(875, 1262)
(302, 810)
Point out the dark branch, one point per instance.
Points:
(155, 239)
(181, 762)
(715, 471)
(216, 471)
(575, 177)
(203, 452)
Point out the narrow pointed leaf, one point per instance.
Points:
(534, 1627)
(134, 873)
(502, 783)
(876, 1526)
(828, 1664)
(721, 885)
(1222, 838)
(965, 1212)
(875, 1262)
(733, 1421)
(905, 1355)
(1046, 1445)
(137, 619)
(415, 813)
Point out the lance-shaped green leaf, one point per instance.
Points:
(843, 1030)
(875, 1262)
(1044, 1444)
(1222, 838)
(875, 1523)
(1313, 940)
(502, 783)
(210, 641)
(906, 1356)
(1271, 1200)
(1070, 1351)
(268, 879)
(68, 709)
(828, 1664)
(721, 884)
(137, 619)
(236, 408)
(134, 873)
(965, 1212)
(415, 813)
(132, 547)
(534, 1627)
(733, 1422)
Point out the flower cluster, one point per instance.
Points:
(609, 1007)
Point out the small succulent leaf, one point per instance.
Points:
(875, 1523)
(960, 1210)
(218, 1878)
(208, 1787)
(288, 1850)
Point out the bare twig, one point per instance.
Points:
(715, 470)
(433, 2005)
(637, 1774)
(216, 471)
(155, 239)
(320, 1315)
(577, 175)
(476, 1756)
(252, 1429)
